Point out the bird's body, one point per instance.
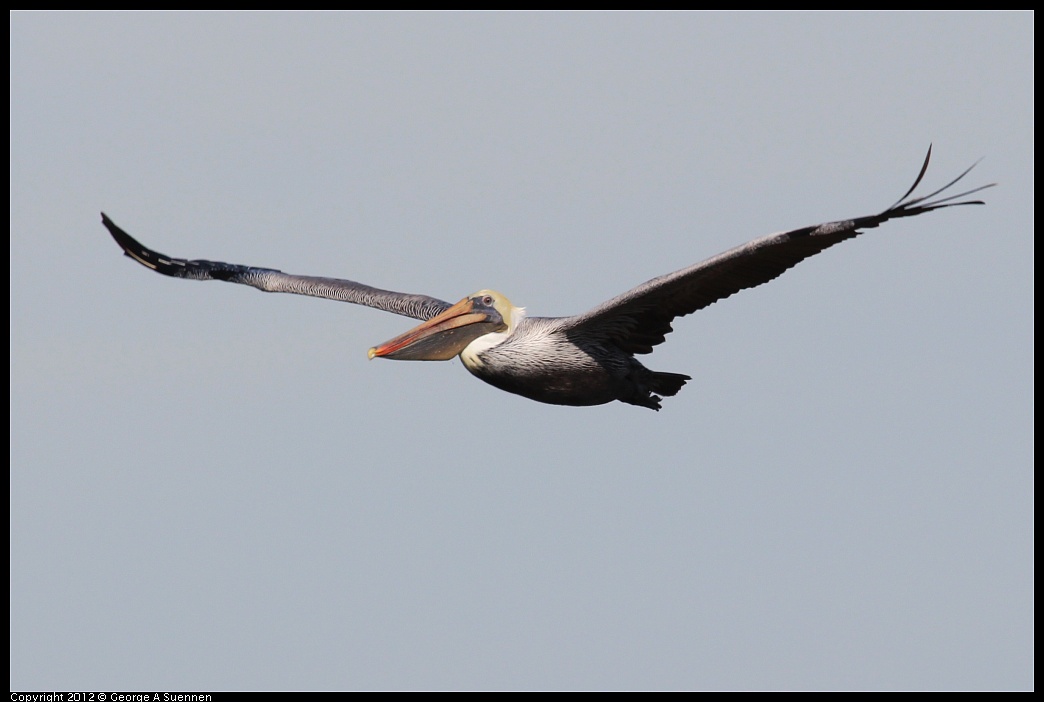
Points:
(587, 359)
(540, 361)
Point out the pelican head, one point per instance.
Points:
(447, 334)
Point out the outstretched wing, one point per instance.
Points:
(271, 280)
(639, 319)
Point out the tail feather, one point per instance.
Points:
(667, 384)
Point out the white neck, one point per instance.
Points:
(470, 354)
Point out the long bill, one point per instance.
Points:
(443, 336)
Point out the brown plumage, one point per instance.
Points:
(586, 359)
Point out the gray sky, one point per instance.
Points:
(213, 488)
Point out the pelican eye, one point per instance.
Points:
(487, 299)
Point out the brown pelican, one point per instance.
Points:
(587, 359)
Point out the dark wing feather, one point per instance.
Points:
(271, 280)
(639, 319)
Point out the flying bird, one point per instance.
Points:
(586, 359)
